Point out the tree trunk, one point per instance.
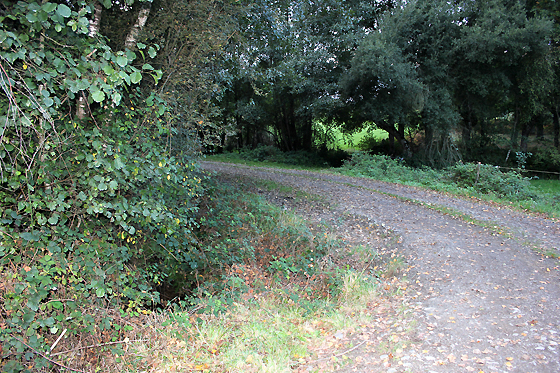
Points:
(540, 127)
(81, 104)
(468, 125)
(307, 131)
(132, 36)
(513, 143)
(392, 131)
(526, 130)
(556, 120)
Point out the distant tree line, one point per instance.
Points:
(450, 73)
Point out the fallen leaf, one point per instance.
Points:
(451, 358)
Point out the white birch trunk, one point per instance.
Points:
(137, 27)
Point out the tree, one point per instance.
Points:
(100, 199)
(507, 51)
(400, 76)
(291, 58)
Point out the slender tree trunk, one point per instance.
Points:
(468, 125)
(526, 130)
(132, 36)
(556, 121)
(540, 127)
(513, 141)
(81, 104)
(307, 138)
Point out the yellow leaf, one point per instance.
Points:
(509, 358)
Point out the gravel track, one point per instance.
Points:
(482, 298)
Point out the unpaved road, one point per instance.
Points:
(483, 300)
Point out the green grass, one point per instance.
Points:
(546, 186)
(271, 333)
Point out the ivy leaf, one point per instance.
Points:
(122, 61)
(102, 186)
(141, 45)
(152, 52)
(98, 96)
(53, 219)
(63, 11)
(135, 77)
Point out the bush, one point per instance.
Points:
(95, 212)
(269, 153)
(383, 167)
(545, 159)
(489, 179)
(476, 177)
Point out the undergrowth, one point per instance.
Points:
(472, 179)
(284, 285)
(267, 154)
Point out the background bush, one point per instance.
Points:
(480, 178)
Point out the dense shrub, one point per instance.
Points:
(383, 167)
(490, 179)
(545, 159)
(270, 153)
(95, 211)
(476, 177)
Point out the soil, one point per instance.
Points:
(480, 297)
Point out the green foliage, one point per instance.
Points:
(489, 179)
(545, 159)
(269, 153)
(478, 178)
(95, 213)
(383, 167)
(242, 231)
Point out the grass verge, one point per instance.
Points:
(282, 306)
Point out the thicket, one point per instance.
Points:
(96, 210)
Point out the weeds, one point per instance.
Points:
(270, 310)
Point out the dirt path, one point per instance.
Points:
(482, 298)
